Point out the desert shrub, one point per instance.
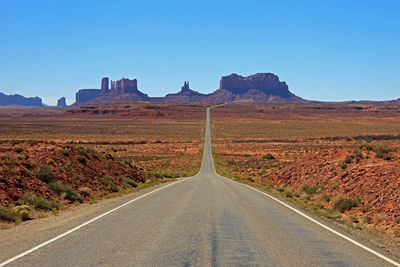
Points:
(69, 192)
(128, 182)
(343, 165)
(38, 202)
(83, 152)
(45, 173)
(344, 204)
(348, 159)
(367, 147)
(334, 186)
(268, 156)
(397, 219)
(165, 174)
(26, 172)
(396, 233)
(24, 212)
(85, 191)
(18, 149)
(311, 190)
(82, 159)
(110, 183)
(16, 214)
(5, 157)
(8, 214)
(281, 188)
(52, 142)
(50, 162)
(288, 194)
(383, 153)
(65, 152)
(246, 155)
(32, 142)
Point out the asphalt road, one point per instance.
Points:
(205, 220)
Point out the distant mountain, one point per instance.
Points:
(10, 100)
(260, 87)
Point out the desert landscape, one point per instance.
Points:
(92, 152)
(338, 160)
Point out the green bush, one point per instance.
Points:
(165, 174)
(268, 156)
(311, 190)
(87, 152)
(38, 202)
(288, 194)
(16, 214)
(69, 192)
(45, 173)
(65, 152)
(346, 204)
(128, 182)
(8, 214)
(357, 154)
(110, 183)
(348, 159)
(18, 149)
(82, 159)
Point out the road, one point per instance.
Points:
(204, 220)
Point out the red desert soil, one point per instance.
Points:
(20, 161)
(346, 152)
(372, 180)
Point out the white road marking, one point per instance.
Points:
(322, 225)
(82, 225)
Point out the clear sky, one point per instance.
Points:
(324, 49)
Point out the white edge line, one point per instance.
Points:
(322, 225)
(83, 224)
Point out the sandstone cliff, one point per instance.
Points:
(121, 90)
(61, 102)
(8, 100)
(260, 87)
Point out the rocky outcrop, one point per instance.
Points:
(265, 82)
(104, 86)
(62, 102)
(85, 95)
(121, 90)
(185, 95)
(260, 87)
(9, 100)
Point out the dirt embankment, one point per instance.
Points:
(59, 173)
(370, 176)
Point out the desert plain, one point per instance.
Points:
(337, 160)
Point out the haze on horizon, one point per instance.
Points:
(324, 50)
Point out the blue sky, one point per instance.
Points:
(325, 50)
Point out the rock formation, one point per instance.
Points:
(85, 95)
(104, 86)
(260, 87)
(62, 102)
(121, 90)
(8, 100)
(185, 95)
(124, 86)
(185, 87)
